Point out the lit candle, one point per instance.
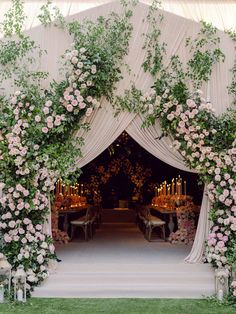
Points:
(168, 189)
(185, 189)
(155, 190)
(60, 186)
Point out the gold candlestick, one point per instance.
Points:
(155, 190)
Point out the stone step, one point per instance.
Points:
(128, 290)
(129, 280)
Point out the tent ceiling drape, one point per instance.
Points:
(174, 31)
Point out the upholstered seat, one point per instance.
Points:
(152, 223)
(79, 221)
(156, 221)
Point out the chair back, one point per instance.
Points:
(89, 212)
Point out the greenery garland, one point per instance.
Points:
(207, 143)
(36, 128)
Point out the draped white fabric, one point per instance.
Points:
(160, 148)
(104, 131)
(174, 31)
(198, 247)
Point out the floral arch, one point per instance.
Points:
(42, 129)
(137, 174)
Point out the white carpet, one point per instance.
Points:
(119, 262)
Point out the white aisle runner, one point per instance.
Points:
(119, 262)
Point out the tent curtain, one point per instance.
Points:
(198, 248)
(105, 129)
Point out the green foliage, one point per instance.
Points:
(14, 20)
(205, 54)
(232, 87)
(107, 42)
(19, 54)
(51, 16)
(155, 49)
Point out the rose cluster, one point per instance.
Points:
(194, 128)
(76, 96)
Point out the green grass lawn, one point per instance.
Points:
(117, 306)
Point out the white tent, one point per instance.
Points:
(180, 21)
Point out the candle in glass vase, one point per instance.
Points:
(20, 295)
(1, 293)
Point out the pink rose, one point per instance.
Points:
(221, 244)
(233, 227)
(217, 177)
(12, 224)
(69, 108)
(37, 118)
(38, 227)
(20, 206)
(26, 221)
(23, 240)
(50, 125)
(7, 238)
(46, 110)
(45, 130)
(49, 119)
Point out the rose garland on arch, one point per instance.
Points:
(206, 142)
(36, 145)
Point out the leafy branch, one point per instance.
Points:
(51, 16)
(155, 50)
(14, 20)
(205, 54)
(232, 86)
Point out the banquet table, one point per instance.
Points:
(163, 210)
(72, 210)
